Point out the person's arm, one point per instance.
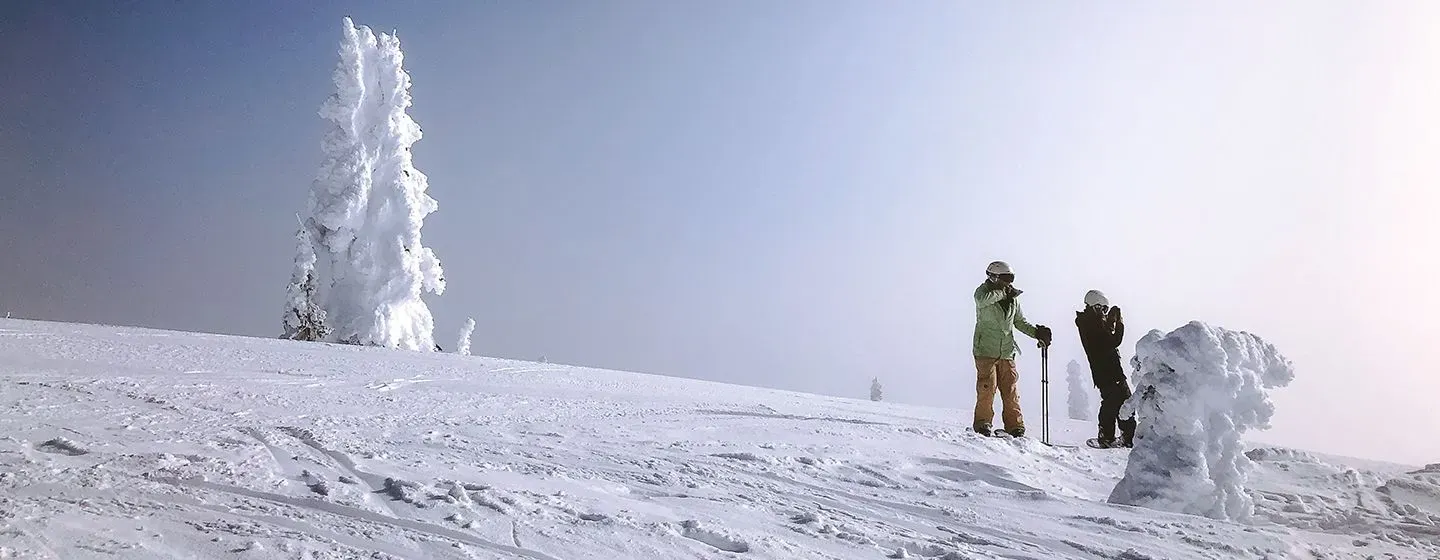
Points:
(1023, 325)
(986, 298)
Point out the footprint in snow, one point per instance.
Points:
(62, 446)
(691, 529)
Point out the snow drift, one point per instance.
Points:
(1198, 390)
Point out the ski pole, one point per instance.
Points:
(1045, 394)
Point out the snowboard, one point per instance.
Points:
(997, 433)
(1094, 443)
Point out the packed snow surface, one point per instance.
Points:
(129, 443)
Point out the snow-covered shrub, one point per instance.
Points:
(368, 202)
(1077, 385)
(463, 347)
(876, 393)
(304, 318)
(1198, 389)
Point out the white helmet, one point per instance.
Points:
(1096, 297)
(999, 267)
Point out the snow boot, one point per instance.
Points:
(983, 429)
(1018, 431)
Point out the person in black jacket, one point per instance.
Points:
(1101, 332)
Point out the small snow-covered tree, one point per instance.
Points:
(1198, 390)
(368, 202)
(304, 318)
(463, 347)
(876, 393)
(1077, 385)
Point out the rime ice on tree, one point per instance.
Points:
(368, 202)
(463, 346)
(304, 318)
(1198, 389)
(1077, 385)
(876, 393)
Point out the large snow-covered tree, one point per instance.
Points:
(876, 392)
(1077, 391)
(368, 202)
(1198, 390)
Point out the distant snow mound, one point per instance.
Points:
(1280, 454)
(1198, 389)
(1413, 496)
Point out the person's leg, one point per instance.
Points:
(984, 394)
(1008, 381)
(1113, 395)
(1127, 425)
(1109, 408)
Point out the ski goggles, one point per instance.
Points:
(1006, 278)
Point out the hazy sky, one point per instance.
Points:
(800, 194)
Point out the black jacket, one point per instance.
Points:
(1101, 341)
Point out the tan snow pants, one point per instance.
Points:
(993, 373)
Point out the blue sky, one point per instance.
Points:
(800, 195)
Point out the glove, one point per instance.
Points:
(1043, 334)
(1114, 315)
(1012, 292)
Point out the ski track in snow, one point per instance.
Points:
(128, 443)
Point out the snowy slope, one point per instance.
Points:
(129, 443)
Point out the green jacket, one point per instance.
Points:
(994, 317)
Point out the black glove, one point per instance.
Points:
(1114, 314)
(1042, 334)
(1012, 292)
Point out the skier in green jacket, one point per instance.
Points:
(997, 315)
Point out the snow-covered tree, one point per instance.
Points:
(304, 318)
(368, 202)
(463, 347)
(876, 393)
(1198, 390)
(1077, 385)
